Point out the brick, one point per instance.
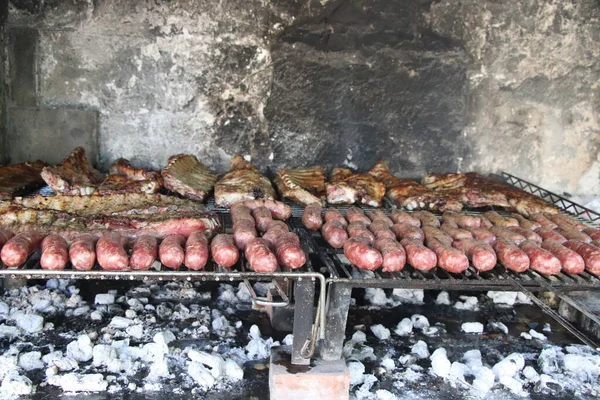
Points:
(324, 380)
(22, 61)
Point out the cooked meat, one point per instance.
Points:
(243, 182)
(185, 175)
(18, 178)
(74, 175)
(304, 186)
(410, 194)
(476, 190)
(347, 187)
(124, 178)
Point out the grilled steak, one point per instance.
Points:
(74, 175)
(304, 186)
(18, 178)
(243, 182)
(185, 175)
(347, 187)
(476, 190)
(124, 178)
(410, 194)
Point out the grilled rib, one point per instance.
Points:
(185, 175)
(347, 187)
(243, 182)
(304, 186)
(18, 178)
(124, 178)
(74, 175)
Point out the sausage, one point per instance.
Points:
(510, 255)
(461, 220)
(565, 221)
(278, 209)
(437, 234)
(331, 214)
(482, 234)
(381, 230)
(196, 251)
(244, 231)
(262, 217)
(240, 212)
(259, 256)
(356, 214)
(540, 260)
(590, 254)
(550, 234)
(499, 220)
(334, 233)
(480, 253)
(394, 256)
(272, 235)
(543, 221)
(224, 251)
(592, 233)
(528, 234)
(574, 234)
(289, 254)
(55, 253)
(506, 234)
(571, 261)
(401, 217)
(171, 251)
(110, 252)
(143, 253)
(357, 228)
(311, 218)
(363, 256)
(407, 231)
(5, 237)
(448, 258)
(525, 223)
(378, 215)
(16, 250)
(456, 233)
(83, 252)
(427, 218)
(484, 223)
(419, 256)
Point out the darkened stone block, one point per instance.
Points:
(50, 134)
(22, 44)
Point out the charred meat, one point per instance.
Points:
(123, 178)
(243, 182)
(74, 175)
(347, 187)
(185, 175)
(18, 178)
(305, 186)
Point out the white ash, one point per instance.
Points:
(512, 384)
(388, 363)
(359, 337)
(420, 349)
(356, 370)
(383, 394)
(419, 321)
(509, 366)
(258, 348)
(443, 299)
(28, 323)
(364, 390)
(31, 360)
(380, 331)
(376, 297)
(472, 327)
(536, 335)
(81, 350)
(408, 296)
(547, 328)
(440, 365)
(104, 298)
(497, 327)
(73, 382)
(526, 336)
(508, 298)
(404, 327)
(467, 303)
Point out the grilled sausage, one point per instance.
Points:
(592, 233)
(378, 215)
(83, 252)
(590, 254)
(525, 223)
(278, 209)
(461, 220)
(565, 221)
(540, 260)
(5, 237)
(289, 254)
(499, 220)
(240, 212)
(448, 258)
(572, 263)
(482, 234)
(357, 228)
(196, 251)
(334, 233)
(401, 217)
(419, 256)
(361, 254)
(394, 256)
(543, 221)
(259, 256)
(262, 217)
(550, 234)
(244, 231)
(480, 253)
(381, 230)
(408, 231)
(224, 251)
(171, 251)
(574, 234)
(143, 253)
(272, 235)
(16, 250)
(426, 218)
(356, 214)
(510, 255)
(508, 235)
(456, 233)
(312, 216)
(485, 223)
(437, 234)
(55, 253)
(110, 252)
(526, 233)
(331, 214)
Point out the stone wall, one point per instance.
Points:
(443, 86)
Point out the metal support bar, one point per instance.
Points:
(304, 310)
(338, 305)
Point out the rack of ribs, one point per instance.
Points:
(347, 187)
(74, 175)
(305, 186)
(243, 182)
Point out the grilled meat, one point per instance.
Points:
(347, 187)
(18, 178)
(124, 178)
(185, 175)
(476, 190)
(304, 186)
(243, 182)
(410, 194)
(74, 175)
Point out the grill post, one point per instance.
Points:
(336, 312)
(304, 295)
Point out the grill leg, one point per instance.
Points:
(338, 304)
(304, 297)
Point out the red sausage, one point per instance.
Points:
(278, 209)
(510, 255)
(55, 253)
(565, 221)
(240, 212)
(83, 252)
(437, 234)
(508, 235)
(244, 231)
(407, 231)
(525, 223)
(143, 253)
(448, 258)
(480, 253)
(356, 214)
(334, 233)
(499, 220)
(572, 263)
(357, 228)
(16, 250)
(550, 234)
(331, 214)
(224, 251)
(573, 234)
(171, 251)
(272, 235)
(482, 234)
(312, 216)
(543, 221)
(461, 220)
(5, 237)
(110, 251)
(456, 233)
(196, 251)
(394, 256)
(401, 217)
(378, 215)
(528, 234)
(485, 223)
(263, 218)
(260, 257)
(358, 251)
(426, 218)
(540, 260)
(381, 230)
(593, 233)
(590, 254)
(419, 256)
(289, 254)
